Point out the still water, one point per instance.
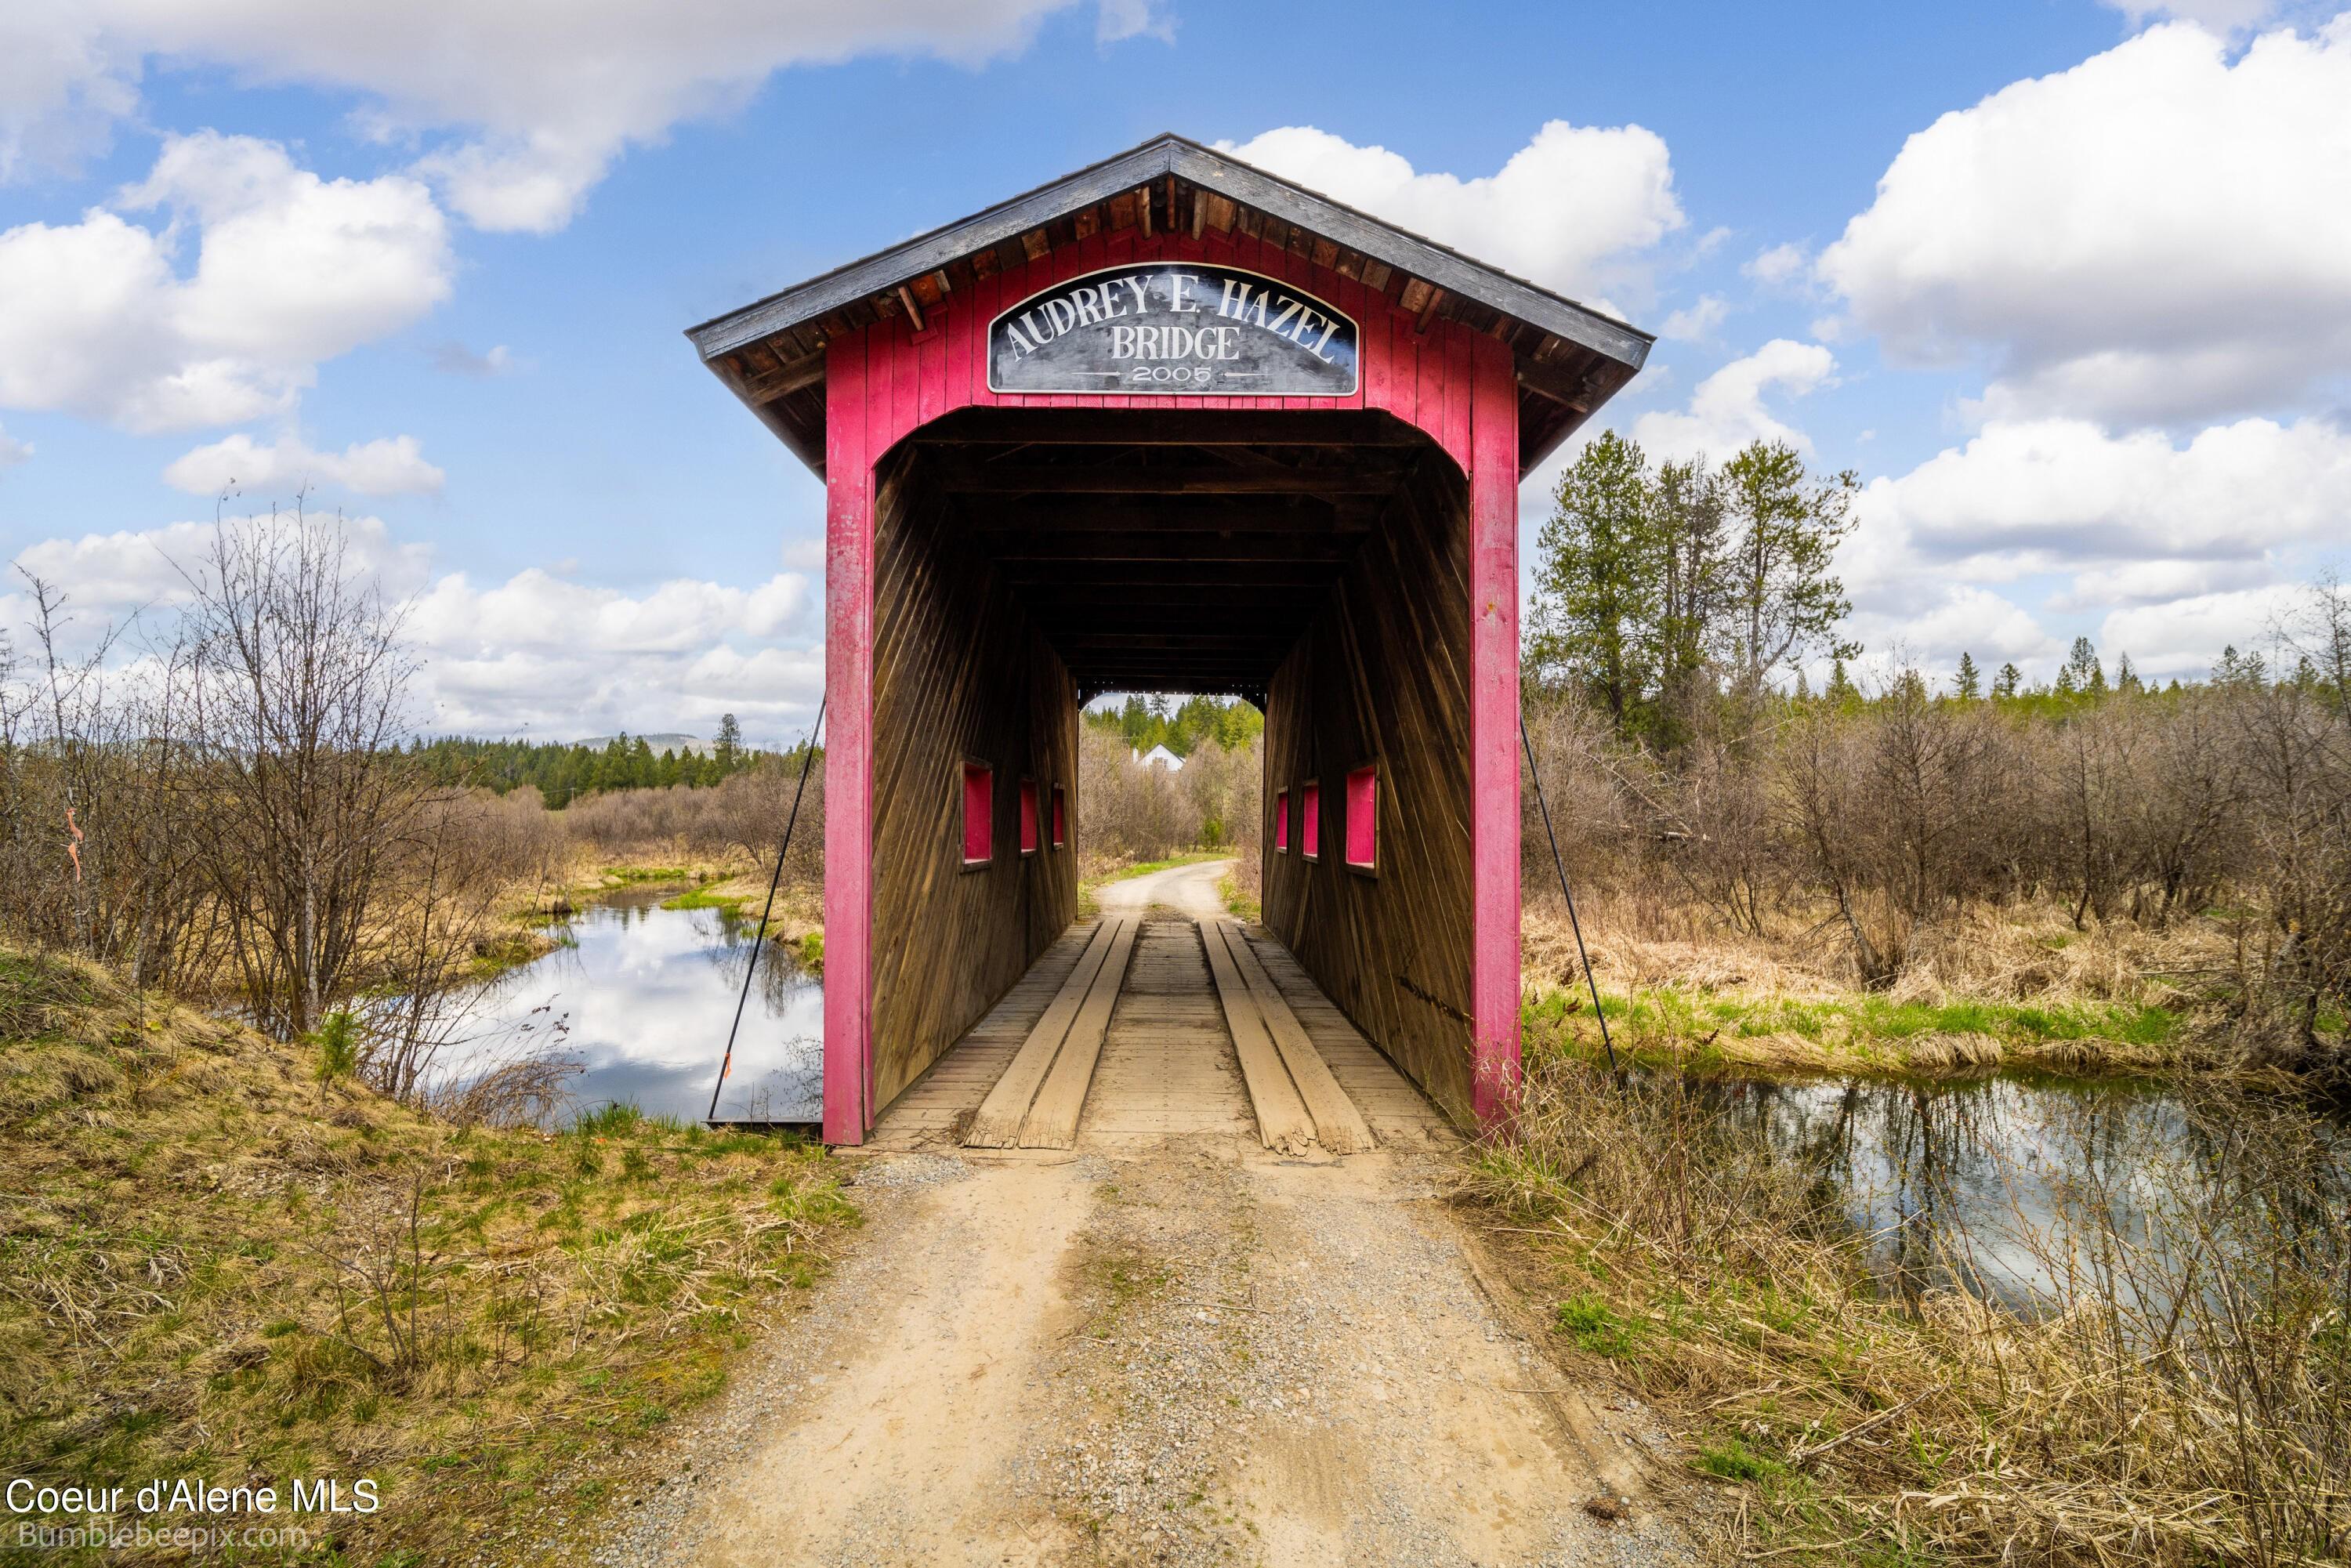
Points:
(641, 998)
(2016, 1187)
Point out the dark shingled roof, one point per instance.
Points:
(1570, 356)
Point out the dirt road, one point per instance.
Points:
(1157, 1348)
(1186, 889)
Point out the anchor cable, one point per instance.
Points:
(1560, 866)
(807, 759)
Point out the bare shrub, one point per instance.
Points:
(1127, 811)
(2197, 841)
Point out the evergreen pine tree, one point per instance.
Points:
(2126, 678)
(2005, 683)
(1968, 685)
(1839, 691)
(2082, 672)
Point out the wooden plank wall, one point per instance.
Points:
(958, 673)
(1383, 678)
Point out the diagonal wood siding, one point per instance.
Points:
(958, 674)
(1382, 676)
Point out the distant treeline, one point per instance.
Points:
(562, 773)
(1145, 722)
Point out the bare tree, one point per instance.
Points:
(299, 692)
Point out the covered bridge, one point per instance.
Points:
(1170, 424)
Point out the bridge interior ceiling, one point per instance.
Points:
(1178, 550)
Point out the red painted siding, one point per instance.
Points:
(1310, 826)
(885, 382)
(1494, 728)
(1028, 816)
(1281, 820)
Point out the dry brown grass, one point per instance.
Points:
(213, 1263)
(2183, 1396)
(2019, 985)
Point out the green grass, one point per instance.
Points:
(1678, 1022)
(1732, 1460)
(703, 898)
(196, 1190)
(1598, 1327)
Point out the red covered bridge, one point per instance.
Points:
(1173, 425)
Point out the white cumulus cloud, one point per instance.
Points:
(393, 466)
(2062, 494)
(100, 318)
(1696, 323)
(2161, 233)
(524, 106)
(2185, 637)
(13, 451)
(2181, 547)
(2221, 16)
(539, 654)
(1579, 208)
(1727, 410)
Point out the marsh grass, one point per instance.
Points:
(2020, 989)
(2178, 1393)
(1861, 1031)
(213, 1263)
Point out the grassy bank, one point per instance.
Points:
(2181, 1395)
(214, 1264)
(2021, 989)
(1706, 1029)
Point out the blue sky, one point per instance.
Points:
(2068, 285)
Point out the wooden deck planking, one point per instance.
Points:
(1339, 1126)
(1167, 1067)
(1394, 1106)
(996, 1124)
(1282, 1121)
(934, 1105)
(1052, 1120)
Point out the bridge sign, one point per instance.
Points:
(1177, 327)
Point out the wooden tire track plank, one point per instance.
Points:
(1283, 1120)
(996, 1124)
(1339, 1126)
(1052, 1121)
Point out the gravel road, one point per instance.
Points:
(1190, 1353)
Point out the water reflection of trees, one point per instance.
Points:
(793, 1091)
(2035, 1192)
(783, 979)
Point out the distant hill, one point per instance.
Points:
(681, 743)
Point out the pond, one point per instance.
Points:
(2015, 1188)
(642, 996)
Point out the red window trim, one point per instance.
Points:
(1309, 819)
(1031, 832)
(1060, 809)
(1282, 821)
(1368, 773)
(986, 774)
